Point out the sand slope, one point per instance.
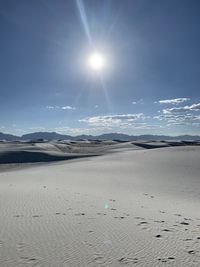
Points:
(46, 151)
(30, 152)
(133, 208)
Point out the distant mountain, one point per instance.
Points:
(116, 136)
(149, 137)
(108, 136)
(44, 135)
(8, 137)
(171, 138)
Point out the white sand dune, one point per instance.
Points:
(21, 152)
(131, 208)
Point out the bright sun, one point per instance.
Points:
(96, 61)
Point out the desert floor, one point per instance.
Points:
(130, 207)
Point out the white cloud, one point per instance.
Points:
(113, 120)
(68, 107)
(179, 119)
(59, 107)
(141, 101)
(173, 101)
(193, 107)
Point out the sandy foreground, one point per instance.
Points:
(136, 207)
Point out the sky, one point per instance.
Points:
(149, 83)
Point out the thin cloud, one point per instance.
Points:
(179, 119)
(68, 107)
(61, 107)
(52, 107)
(174, 101)
(113, 120)
(141, 101)
(193, 107)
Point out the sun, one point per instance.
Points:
(96, 61)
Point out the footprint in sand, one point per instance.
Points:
(184, 223)
(142, 223)
(188, 219)
(158, 236)
(30, 261)
(166, 259)
(177, 214)
(80, 214)
(148, 195)
(166, 230)
(98, 259)
(162, 260)
(162, 211)
(191, 251)
(18, 216)
(127, 260)
(162, 221)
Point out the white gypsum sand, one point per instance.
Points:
(131, 208)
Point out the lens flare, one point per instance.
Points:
(96, 61)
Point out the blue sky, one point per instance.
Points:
(150, 83)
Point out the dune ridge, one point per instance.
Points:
(47, 151)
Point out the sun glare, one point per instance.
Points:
(96, 61)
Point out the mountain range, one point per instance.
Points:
(107, 136)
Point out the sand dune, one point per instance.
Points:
(29, 152)
(131, 208)
(44, 151)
